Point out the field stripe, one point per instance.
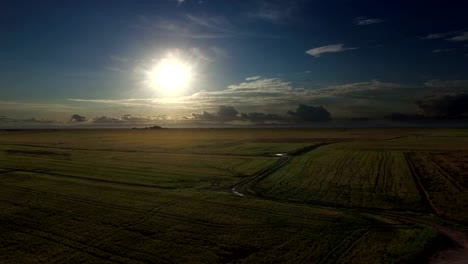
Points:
(422, 191)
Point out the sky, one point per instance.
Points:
(94, 62)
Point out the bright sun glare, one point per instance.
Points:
(170, 76)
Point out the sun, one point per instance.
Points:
(170, 76)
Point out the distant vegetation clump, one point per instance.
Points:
(148, 128)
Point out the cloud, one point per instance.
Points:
(219, 52)
(118, 58)
(311, 113)
(190, 26)
(447, 83)
(363, 21)
(445, 106)
(437, 36)
(107, 120)
(460, 37)
(272, 94)
(179, 2)
(4, 119)
(259, 117)
(127, 119)
(260, 85)
(198, 27)
(33, 107)
(441, 50)
(229, 114)
(257, 92)
(317, 52)
(204, 116)
(353, 88)
(274, 11)
(76, 118)
(225, 113)
(455, 36)
(253, 78)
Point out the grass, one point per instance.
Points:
(443, 182)
(352, 178)
(164, 196)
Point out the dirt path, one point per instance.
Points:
(242, 188)
(457, 253)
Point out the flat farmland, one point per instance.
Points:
(417, 173)
(354, 178)
(166, 196)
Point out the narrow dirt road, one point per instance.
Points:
(455, 253)
(242, 188)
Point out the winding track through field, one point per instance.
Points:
(242, 188)
(457, 254)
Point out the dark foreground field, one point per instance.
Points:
(234, 196)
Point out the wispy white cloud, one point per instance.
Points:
(31, 106)
(363, 21)
(118, 58)
(350, 88)
(198, 27)
(317, 52)
(460, 37)
(116, 69)
(207, 54)
(441, 50)
(455, 36)
(260, 85)
(253, 78)
(190, 26)
(437, 35)
(436, 83)
(274, 11)
(220, 52)
(215, 23)
(268, 89)
(179, 2)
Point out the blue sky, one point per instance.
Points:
(356, 58)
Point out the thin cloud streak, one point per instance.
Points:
(441, 50)
(199, 27)
(274, 11)
(454, 36)
(335, 48)
(363, 21)
(460, 37)
(253, 78)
